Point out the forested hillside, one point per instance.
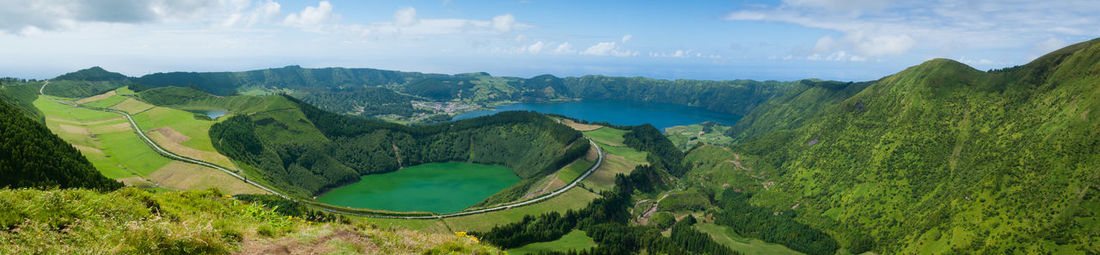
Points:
(941, 158)
(21, 94)
(807, 99)
(31, 156)
(306, 150)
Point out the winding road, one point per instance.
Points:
(233, 173)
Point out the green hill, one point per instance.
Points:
(941, 158)
(31, 156)
(86, 83)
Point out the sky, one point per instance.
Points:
(853, 40)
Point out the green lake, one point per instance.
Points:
(434, 187)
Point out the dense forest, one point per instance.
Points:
(307, 150)
(32, 157)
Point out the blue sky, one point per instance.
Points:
(715, 40)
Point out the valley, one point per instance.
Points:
(937, 158)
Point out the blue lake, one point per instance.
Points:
(660, 115)
(213, 114)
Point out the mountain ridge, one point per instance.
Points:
(939, 151)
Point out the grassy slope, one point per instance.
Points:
(574, 240)
(944, 158)
(135, 221)
(107, 102)
(570, 172)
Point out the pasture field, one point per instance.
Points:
(618, 158)
(574, 240)
(104, 138)
(607, 135)
(182, 133)
(132, 106)
(184, 176)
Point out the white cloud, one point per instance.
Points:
(264, 11)
(608, 49)
(407, 25)
(874, 46)
(1050, 44)
(48, 15)
(564, 48)
(405, 17)
(841, 5)
(536, 47)
(504, 23)
(311, 17)
(627, 38)
(876, 29)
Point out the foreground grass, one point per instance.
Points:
(134, 221)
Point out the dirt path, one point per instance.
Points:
(96, 97)
(737, 162)
(644, 219)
